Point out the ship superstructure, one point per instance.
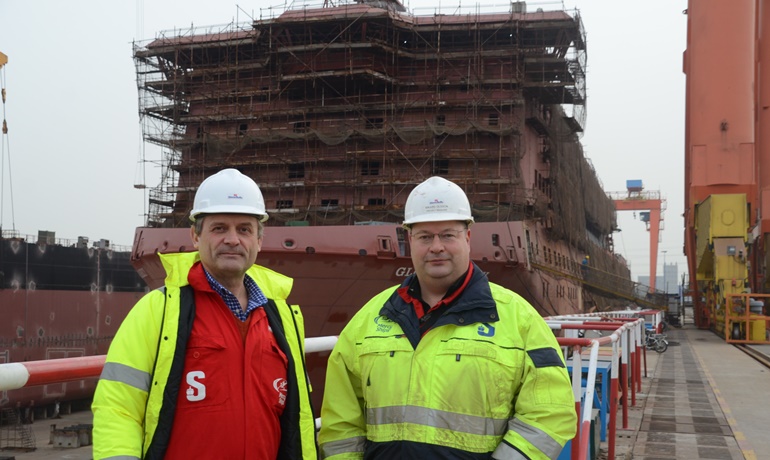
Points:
(339, 111)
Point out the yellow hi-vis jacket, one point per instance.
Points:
(134, 407)
(487, 381)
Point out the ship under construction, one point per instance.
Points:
(339, 110)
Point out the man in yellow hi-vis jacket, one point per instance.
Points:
(446, 365)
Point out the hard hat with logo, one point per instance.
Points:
(436, 200)
(229, 192)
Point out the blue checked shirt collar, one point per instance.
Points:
(256, 297)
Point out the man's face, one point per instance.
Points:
(228, 245)
(441, 251)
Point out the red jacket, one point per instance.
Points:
(228, 380)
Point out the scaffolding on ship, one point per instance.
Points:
(337, 111)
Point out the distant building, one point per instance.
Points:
(668, 282)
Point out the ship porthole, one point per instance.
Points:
(107, 320)
(31, 286)
(52, 316)
(108, 289)
(498, 255)
(289, 243)
(40, 332)
(90, 331)
(19, 332)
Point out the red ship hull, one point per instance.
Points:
(60, 301)
(58, 322)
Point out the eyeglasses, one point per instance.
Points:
(446, 237)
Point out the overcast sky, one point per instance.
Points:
(74, 139)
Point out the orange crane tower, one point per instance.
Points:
(727, 166)
(637, 199)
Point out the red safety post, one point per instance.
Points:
(624, 377)
(613, 402)
(632, 364)
(576, 344)
(639, 346)
(579, 446)
(644, 353)
(577, 389)
(585, 420)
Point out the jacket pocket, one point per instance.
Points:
(480, 377)
(205, 378)
(385, 364)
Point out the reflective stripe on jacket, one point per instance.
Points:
(135, 398)
(487, 381)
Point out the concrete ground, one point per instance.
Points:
(702, 399)
(46, 450)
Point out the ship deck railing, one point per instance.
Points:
(53, 241)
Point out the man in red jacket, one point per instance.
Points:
(212, 364)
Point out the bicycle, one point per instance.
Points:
(657, 342)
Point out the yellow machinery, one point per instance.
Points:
(722, 270)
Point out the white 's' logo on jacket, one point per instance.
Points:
(196, 391)
(280, 385)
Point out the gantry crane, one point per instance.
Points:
(650, 202)
(727, 166)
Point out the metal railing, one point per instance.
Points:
(626, 330)
(746, 319)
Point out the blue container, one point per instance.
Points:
(634, 185)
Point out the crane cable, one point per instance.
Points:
(5, 146)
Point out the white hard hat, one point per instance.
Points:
(435, 200)
(229, 192)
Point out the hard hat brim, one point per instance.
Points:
(439, 217)
(228, 210)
